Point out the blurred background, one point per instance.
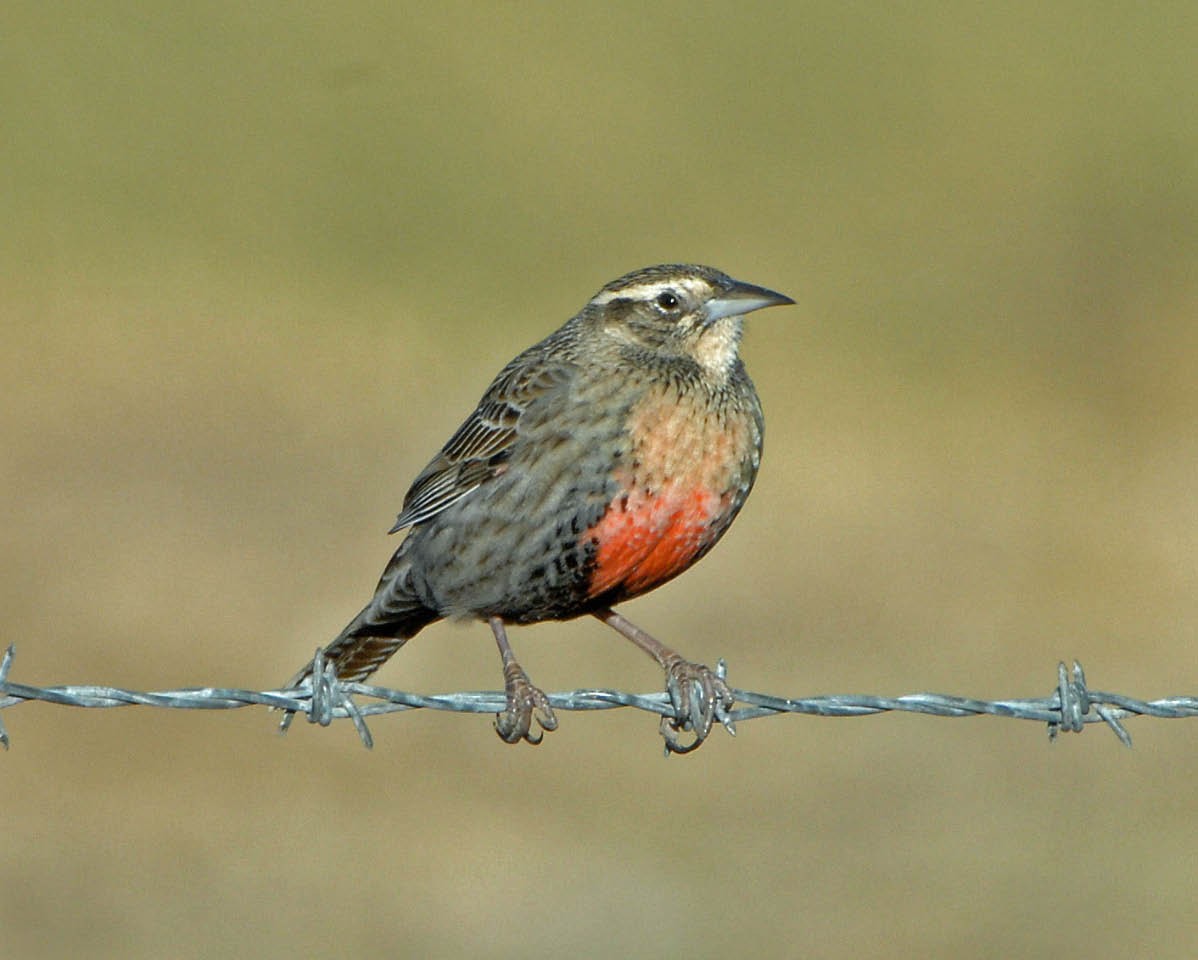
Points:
(258, 260)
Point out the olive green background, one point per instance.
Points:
(257, 261)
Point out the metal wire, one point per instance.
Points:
(1069, 708)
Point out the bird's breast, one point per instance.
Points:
(690, 461)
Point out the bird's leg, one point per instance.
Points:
(515, 723)
(699, 695)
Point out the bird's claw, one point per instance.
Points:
(524, 702)
(699, 696)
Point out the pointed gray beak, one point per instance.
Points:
(742, 298)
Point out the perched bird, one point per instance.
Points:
(600, 463)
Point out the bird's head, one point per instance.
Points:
(680, 310)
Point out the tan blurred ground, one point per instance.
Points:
(257, 262)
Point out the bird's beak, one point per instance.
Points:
(742, 298)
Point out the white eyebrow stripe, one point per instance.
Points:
(647, 291)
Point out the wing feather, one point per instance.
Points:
(481, 446)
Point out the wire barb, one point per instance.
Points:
(5, 666)
(322, 698)
(1078, 707)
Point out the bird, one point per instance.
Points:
(599, 464)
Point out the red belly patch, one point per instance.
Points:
(644, 540)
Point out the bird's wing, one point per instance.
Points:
(482, 445)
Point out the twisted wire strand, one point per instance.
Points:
(1069, 708)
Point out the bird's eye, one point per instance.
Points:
(667, 300)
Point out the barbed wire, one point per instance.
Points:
(1069, 708)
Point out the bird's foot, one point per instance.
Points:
(524, 702)
(700, 697)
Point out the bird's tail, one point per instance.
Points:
(389, 621)
(355, 656)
